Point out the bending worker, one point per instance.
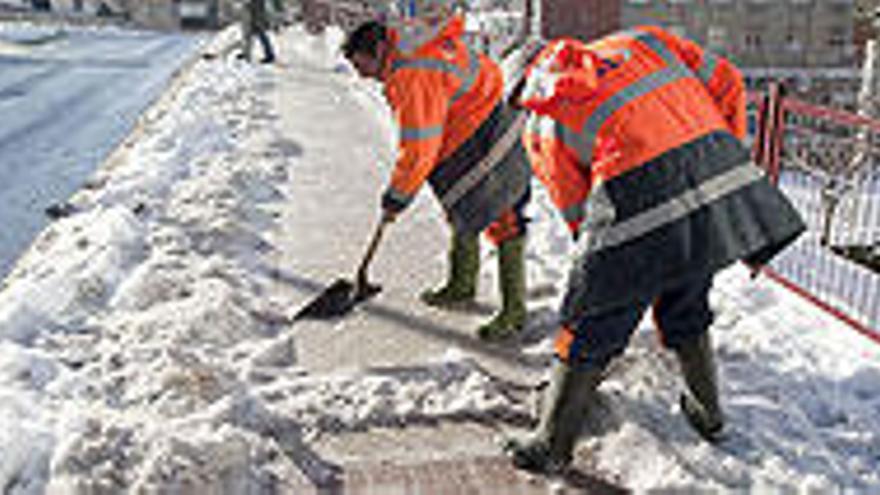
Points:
(637, 137)
(458, 134)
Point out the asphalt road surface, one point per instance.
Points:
(67, 98)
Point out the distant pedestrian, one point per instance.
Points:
(256, 21)
(637, 137)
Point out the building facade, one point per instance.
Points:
(759, 33)
(810, 44)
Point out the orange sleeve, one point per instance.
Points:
(557, 167)
(721, 77)
(420, 104)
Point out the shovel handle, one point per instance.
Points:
(361, 279)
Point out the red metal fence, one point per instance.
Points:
(827, 161)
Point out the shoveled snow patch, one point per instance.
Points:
(357, 401)
(95, 317)
(90, 254)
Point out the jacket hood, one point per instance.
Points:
(417, 35)
(563, 73)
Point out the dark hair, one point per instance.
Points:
(365, 39)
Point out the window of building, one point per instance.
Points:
(838, 37)
(716, 37)
(840, 7)
(753, 41)
(837, 41)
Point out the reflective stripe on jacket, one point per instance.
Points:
(486, 175)
(637, 141)
(617, 103)
(440, 94)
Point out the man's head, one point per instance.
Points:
(367, 48)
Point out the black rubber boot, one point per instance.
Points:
(512, 284)
(550, 448)
(464, 266)
(700, 404)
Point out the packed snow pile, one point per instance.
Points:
(141, 349)
(116, 322)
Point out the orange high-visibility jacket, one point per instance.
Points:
(614, 104)
(440, 94)
(637, 136)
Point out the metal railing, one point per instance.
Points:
(827, 161)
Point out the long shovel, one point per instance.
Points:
(342, 295)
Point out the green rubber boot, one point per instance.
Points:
(464, 266)
(512, 284)
(700, 404)
(550, 448)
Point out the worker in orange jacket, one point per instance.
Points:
(637, 137)
(458, 134)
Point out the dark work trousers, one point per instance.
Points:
(263, 37)
(681, 314)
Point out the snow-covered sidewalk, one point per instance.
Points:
(146, 345)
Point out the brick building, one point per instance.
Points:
(584, 19)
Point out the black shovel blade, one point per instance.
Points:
(336, 300)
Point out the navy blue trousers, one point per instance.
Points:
(680, 314)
